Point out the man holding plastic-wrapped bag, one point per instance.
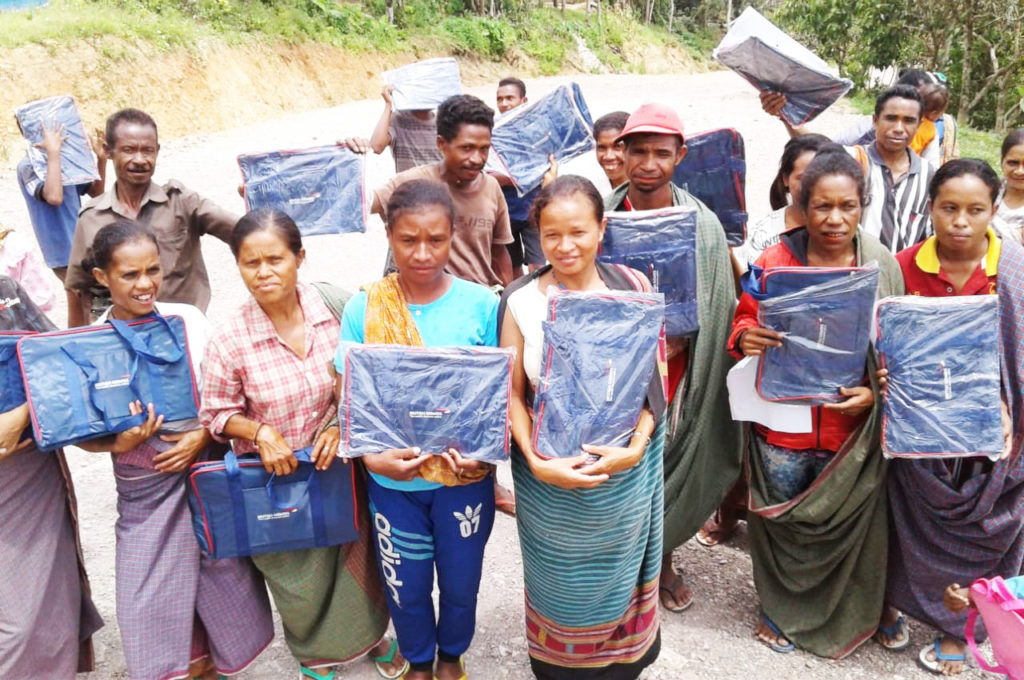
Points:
(702, 450)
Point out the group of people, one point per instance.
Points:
(843, 542)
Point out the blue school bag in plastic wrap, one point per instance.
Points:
(557, 124)
(79, 382)
(320, 188)
(77, 165)
(663, 245)
(240, 509)
(772, 61)
(19, 317)
(944, 392)
(599, 354)
(396, 396)
(715, 171)
(824, 316)
(424, 85)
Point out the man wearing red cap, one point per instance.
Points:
(702, 453)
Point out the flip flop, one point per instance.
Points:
(714, 532)
(775, 646)
(677, 581)
(379, 662)
(462, 665)
(310, 673)
(933, 664)
(897, 632)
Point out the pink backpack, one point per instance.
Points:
(1003, 614)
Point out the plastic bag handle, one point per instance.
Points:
(972, 618)
(92, 374)
(303, 456)
(142, 348)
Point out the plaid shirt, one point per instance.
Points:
(250, 371)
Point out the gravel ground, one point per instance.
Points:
(714, 638)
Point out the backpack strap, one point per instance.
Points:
(972, 619)
(860, 155)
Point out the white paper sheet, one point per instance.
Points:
(746, 404)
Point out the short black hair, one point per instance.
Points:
(831, 159)
(514, 81)
(462, 109)
(915, 77)
(266, 219)
(791, 153)
(126, 116)
(959, 167)
(616, 120)
(899, 92)
(417, 195)
(110, 238)
(1015, 138)
(563, 186)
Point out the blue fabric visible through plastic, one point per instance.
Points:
(663, 245)
(320, 188)
(597, 360)
(239, 509)
(424, 85)
(715, 171)
(81, 381)
(943, 395)
(395, 397)
(12, 391)
(558, 124)
(77, 165)
(826, 330)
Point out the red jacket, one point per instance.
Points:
(830, 429)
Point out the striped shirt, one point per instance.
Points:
(897, 212)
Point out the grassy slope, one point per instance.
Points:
(545, 35)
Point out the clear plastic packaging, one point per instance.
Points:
(320, 188)
(826, 329)
(557, 124)
(423, 85)
(77, 165)
(395, 397)
(599, 355)
(715, 171)
(663, 245)
(772, 61)
(943, 395)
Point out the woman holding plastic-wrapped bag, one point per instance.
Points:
(602, 506)
(429, 511)
(48, 615)
(817, 507)
(960, 519)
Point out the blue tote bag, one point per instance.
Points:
(79, 382)
(824, 316)
(77, 165)
(663, 245)
(240, 509)
(598, 358)
(715, 171)
(320, 188)
(944, 391)
(557, 124)
(396, 396)
(12, 390)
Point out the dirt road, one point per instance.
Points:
(711, 640)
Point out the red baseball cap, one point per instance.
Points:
(655, 119)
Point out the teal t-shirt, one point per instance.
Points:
(465, 316)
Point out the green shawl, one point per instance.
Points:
(819, 558)
(703, 444)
